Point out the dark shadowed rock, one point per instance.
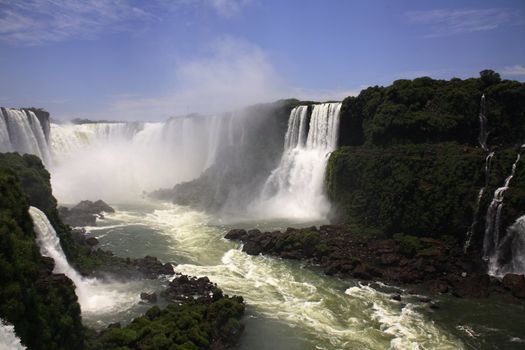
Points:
(149, 297)
(151, 267)
(92, 241)
(84, 213)
(515, 283)
(235, 234)
(476, 286)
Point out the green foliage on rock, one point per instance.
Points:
(427, 110)
(192, 326)
(43, 307)
(421, 190)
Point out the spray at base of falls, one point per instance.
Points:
(8, 338)
(510, 255)
(93, 295)
(295, 189)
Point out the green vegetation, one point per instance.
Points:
(307, 241)
(422, 190)
(412, 162)
(42, 307)
(190, 326)
(426, 110)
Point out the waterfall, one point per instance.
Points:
(93, 295)
(509, 256)
(470, 232)
(482, 138)
(492, 218)
(8, 338)
(21, 131)
(295, 188)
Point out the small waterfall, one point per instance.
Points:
(470, 232)
(482, 138)
(295, 187)
(492, 218)
(93, 295)
(8, 338)
(21, 131)
(509, 256)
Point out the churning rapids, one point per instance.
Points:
(289, 306)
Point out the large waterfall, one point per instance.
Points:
(21, 131)
(93, 295)
(295, 188)
(121, 161)
(509, 256)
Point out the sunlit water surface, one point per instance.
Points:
(290, 306)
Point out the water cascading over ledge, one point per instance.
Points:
(295, 189)
(22, 131)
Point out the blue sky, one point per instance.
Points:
(148, 60)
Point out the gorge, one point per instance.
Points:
(421, 163)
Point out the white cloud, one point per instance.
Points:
(444, 22)
(37, 22)
(515, 70)
(233, 74)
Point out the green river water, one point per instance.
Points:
(289, 305)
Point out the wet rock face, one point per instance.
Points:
(151, 267)
(439, 266)
(184, 289)
(84, 213)
(516, 284)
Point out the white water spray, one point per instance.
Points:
(509, 256)
(295, 188)
(491, 239)
(94, 296)
(8, 338)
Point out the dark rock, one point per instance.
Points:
(516, 284)
(389, 259)
(114, 325)
(439, 286)
(184, 289)
(151, 267)
(396, 297)
(84, 213)
(235, 234)
(149, 297)
(475, 286)
(92, 241)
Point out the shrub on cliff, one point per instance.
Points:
(43, 307)
(427, 110)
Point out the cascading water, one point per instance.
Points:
(491, 239)
(295, 188)
(138, 157)
(21, 131)
(509, 256)
(93, 295)
(8, 338)
(482, 138)
(470, 232)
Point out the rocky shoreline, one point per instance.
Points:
(436, 265)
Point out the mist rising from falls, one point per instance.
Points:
(93, 295)
(295, 189)
(122, 161)
(21, 131)
(509, 256)
(482, 138)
